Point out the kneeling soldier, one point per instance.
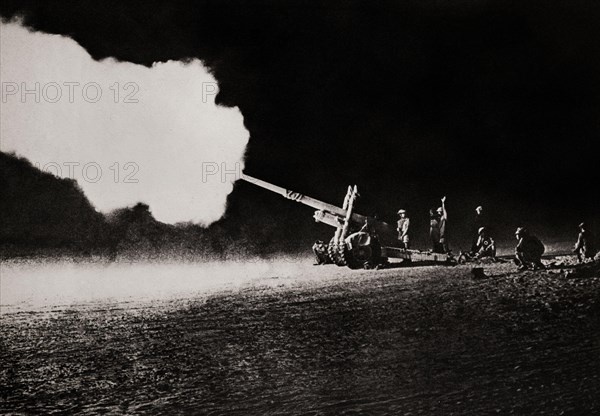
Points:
(529, 250)
(486, 247)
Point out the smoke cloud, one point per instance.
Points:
(125, 132)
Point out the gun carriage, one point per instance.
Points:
(359, 240)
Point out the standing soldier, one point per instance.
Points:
(437, 230)
(529, 250)
(479, 221)
(403, 224)
(585, 247)
(434, 230)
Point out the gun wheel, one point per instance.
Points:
(337, 253)
(366, 256)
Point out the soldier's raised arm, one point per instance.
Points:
(444, 212)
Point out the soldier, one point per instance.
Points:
(479, 221)
(434, 229)
(529, 250)
(486, 247)
(437, 230)
(403, 224)
(585, 247)
(375, 245)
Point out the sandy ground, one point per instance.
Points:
(283, 337)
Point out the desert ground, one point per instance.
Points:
(284, 337)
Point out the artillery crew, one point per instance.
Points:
(403, 225)
(375, 242)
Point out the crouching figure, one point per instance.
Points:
(485, 247)
(529, 250)
(585, 247)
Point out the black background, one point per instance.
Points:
(487, 102)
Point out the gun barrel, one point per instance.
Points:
(328, 212)
(298, 197)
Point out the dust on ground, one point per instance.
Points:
(307, 340)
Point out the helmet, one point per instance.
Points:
(481, 230)
(582, 225)
(401, 211)
(521, 230)
(440, 210)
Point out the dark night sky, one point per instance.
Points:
(493, 102)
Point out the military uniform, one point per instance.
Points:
(479, 222)
(486, 247)
(443, 241)
(585, 247)
(434, 232)
(403, 224)
(529, 251)
(437, 230)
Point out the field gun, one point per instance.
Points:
(359, 240)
